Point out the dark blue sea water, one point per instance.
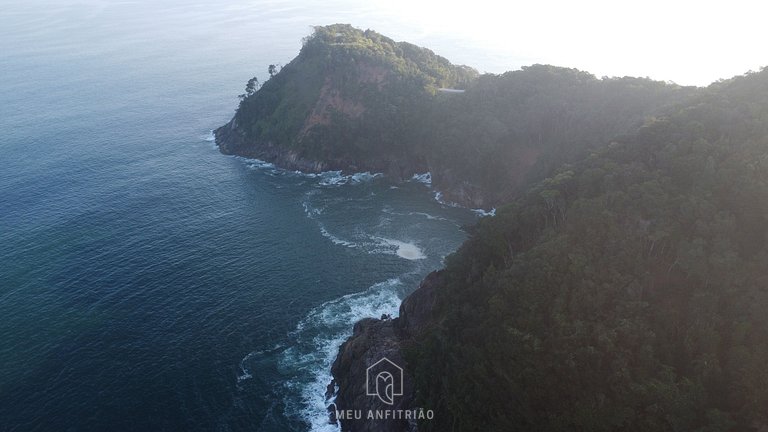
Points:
(148, 282)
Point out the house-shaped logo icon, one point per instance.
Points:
(384, 379)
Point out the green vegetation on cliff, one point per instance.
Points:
(622, 287)
(627, 291)
(356, 100)
(346, 97)
(508, 130)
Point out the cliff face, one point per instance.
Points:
(372, 341)
(232, 141)
(357, 101)
(341, 105)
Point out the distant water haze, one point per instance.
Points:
(690, 43)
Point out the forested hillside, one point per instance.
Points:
(358, 101)
(347, 101)
(628, 291)
(508, 130)
(623, 284)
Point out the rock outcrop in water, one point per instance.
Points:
(373, 340)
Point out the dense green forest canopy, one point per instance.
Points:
(366, 83)
(627, 291)
(508, 130)
(358, 96)
(622, 287)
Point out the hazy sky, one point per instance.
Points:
(682, 41)
(686, 42)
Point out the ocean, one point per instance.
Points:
(148, 282)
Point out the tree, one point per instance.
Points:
(250, 88)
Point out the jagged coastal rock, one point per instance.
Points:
(372, 341)
(232, 141)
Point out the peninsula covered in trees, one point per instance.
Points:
(622, 284)
(355, 100)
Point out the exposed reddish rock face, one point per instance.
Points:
(373, 74)
(331, 99)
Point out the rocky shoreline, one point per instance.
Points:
(232, 141)
(373, 340)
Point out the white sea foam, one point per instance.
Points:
(370, 243)
(259, 164)
(439, 198)
(427, 215)
(334, 239)
(364, 177)
(406, 250)
(309, 210)
(336, 178)
(253, 363)
(483, 213)
(313, 213)
(316, 343)
(245, 372)
(333, 178)
(327, 178)
(209, 137)
(425, 178)
(389, 210)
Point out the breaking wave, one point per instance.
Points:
(483, 213)
(315, 343)
(425, 178)
(336, 178)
